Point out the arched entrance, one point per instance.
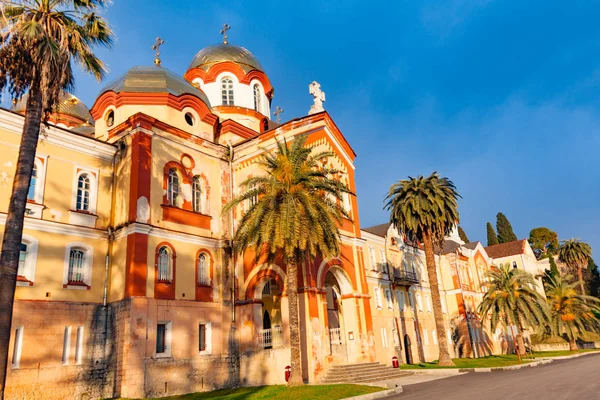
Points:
(269, 311)
(338, 348)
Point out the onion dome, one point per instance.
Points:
(68, 106)
(85, 129)
(212, 55)
(154, 79)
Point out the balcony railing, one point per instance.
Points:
(270, 338)
(335, 336)
(402, 276)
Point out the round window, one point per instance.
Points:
(110, 118)
(189, 118)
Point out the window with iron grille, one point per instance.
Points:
(203, 272)
(227, 91)
(173, 187)
(76, 266)
(83, 193)
(164, 266)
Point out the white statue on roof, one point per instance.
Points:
(318, 97)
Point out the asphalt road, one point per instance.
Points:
(575, 379)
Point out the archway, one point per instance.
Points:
(267, 314)
(338, 346)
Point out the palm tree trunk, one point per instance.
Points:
(580, 278)
(573, 344)
(13, 229)
(292, 292)
(444, 357)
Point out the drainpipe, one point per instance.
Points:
(231, 227)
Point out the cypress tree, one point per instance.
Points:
(491, 235)
(505, 230)
(463, 235)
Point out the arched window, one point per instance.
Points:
(76, 272)
(33, 183)
(83, 193)
(265, 124)
(173, 187)
(514, 265)
(165, 265)
(203, 272)
(197, 194)
(22, 260)
(257, 98)
(227, 91)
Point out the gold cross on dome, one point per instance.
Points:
(224, 32)
(156, 47)
(278, 111)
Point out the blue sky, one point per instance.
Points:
(500, 96)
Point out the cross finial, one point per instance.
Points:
(224, 32)
(278, 112)
(156, 47)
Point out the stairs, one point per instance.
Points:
(362, 373)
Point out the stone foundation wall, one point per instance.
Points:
(41, 373)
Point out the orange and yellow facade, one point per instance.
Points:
(127, 286)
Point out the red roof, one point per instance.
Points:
(507, 249)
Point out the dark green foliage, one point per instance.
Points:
(492, 239)
(553, 272)
(543, 241)
(504, 229)
(591, 276)
(463, 235)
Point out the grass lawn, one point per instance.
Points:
(504, 360)
(281, 392)
(560, 353)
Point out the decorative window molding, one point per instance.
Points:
(174, 197)
(378, 302)
(384, 265)
(373, 259)
(425, 337)
(197, 193)
(164, 265)
(165, 269)
(388, 299)
(204, 338)
(27, 261)
(257, 97)
(84, 197)
(203, 269)
(434, 336)
(400, 300)
(227, 91)
(35, 195)
(78, 266)
(428, 303)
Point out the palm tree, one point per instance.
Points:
(296, 213)
(570, 312)
(426, 210)
(38, 41)
(575, 254)
(511, 299)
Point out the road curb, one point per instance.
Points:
(377, 395)
(458, 371)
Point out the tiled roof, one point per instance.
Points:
(506, 249)
(378, 230)
(471, 245)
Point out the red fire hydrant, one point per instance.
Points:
(288, 372)
(395, 363)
